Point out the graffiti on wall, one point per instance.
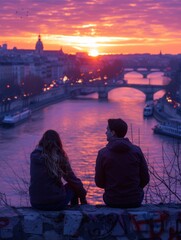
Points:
(140, 225)
(4, 221)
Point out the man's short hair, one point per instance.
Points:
(119, 126)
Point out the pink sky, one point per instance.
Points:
(108, 26)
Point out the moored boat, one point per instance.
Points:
(11, 120)
(171, 129)
(148, 110)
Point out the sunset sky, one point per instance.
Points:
(106, 26)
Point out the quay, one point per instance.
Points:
(34, 103)
(163, 111)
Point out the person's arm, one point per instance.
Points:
(74, 182)
(99, 171)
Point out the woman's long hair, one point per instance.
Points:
(56, 159)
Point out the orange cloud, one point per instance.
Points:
(114, 27)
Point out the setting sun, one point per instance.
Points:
(93, 53)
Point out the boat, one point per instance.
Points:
(11, 120)
(148, 110)
(171, 129)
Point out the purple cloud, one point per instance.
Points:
(125, 18)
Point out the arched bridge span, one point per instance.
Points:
(103, 90)
(145, 71)
(148, 90)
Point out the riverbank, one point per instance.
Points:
(38, 102)
(163, 111)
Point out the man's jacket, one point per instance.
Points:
(122, 171)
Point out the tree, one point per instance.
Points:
(111, 70)
(32, 85)
(165, 182)
(172, 89)
(73, 73)
(9, 89)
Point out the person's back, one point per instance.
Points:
(44, 188)
(121, 169)
(49, 165)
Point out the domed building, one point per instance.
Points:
(39, 46)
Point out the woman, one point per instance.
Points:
(49, 165)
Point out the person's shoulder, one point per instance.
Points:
(36, 153)
(137, 150)
(102, 150)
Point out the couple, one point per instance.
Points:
(121, 170)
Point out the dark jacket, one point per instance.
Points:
(45, 189)
(121, 170)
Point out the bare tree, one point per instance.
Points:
(165, 184)
(19, 185)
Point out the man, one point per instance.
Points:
(121, 169)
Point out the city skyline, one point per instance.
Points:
(96, 27)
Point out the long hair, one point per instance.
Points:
(56, 159)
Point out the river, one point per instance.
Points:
(81, 124)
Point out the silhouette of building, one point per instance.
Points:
(39, 46)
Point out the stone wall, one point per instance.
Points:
(88, 222)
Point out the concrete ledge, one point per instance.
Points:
(92, 222)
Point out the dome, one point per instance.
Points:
(39, 45)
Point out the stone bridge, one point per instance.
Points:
(145, 71)
(103, 89)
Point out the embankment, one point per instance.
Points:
(35, 102)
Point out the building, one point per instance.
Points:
(39, 46)
(15, 65)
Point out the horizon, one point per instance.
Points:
(100, 54)
(96, 27)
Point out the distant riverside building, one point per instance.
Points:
(16, 69)
(39, 46)
(6, 71)
(4, 47)
(17, 64)
(81, 55)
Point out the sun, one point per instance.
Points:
(93, 52)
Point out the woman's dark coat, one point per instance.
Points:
(45, 189)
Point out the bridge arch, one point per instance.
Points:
(144, 71)
(125, 92)
(161, 73)
(148, 92)
(132, 72)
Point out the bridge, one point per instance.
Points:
(145, 71)
(103, 89)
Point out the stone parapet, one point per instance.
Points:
(88, 222)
